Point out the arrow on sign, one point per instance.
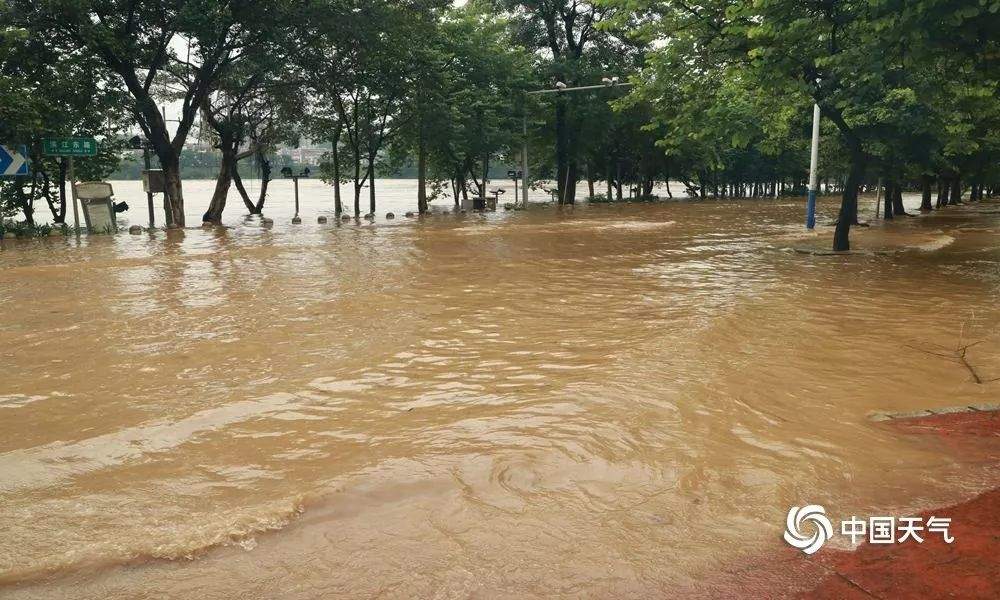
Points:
(13, 162)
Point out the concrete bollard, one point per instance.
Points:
(266, 222)
(296, 220)
(134, 230)
(409, 214)
(390, 215)
(345, 217)
(321, 219)
(369, 217)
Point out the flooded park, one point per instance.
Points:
(615, 400)
(499, 299)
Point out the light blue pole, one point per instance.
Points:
(813, 174)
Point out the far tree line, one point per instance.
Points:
(908, 92)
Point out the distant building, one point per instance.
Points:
(303, 156)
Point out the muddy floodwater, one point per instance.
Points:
(605, 401)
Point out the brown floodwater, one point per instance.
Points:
(607, 400)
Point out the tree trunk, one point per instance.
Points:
(890, 191)
(897, 201)
(609, 178)
(238, 182)
(173, 196)
(357, 183)
(566, 167)
(925, 193)
(486, 175)
(265, 178)
(61, 217)
(421, 175)
(590, 180)
(371, 184)
(565, 171)
(956, 190)
(222, 185)
(26, 202)
(849, 203)
(942, 196)
(618, 180)
(338, 208)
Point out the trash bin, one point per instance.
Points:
(98, 209)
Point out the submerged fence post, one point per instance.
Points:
(813, 174)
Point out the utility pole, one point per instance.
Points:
(524, 161)
(813, 172)
(607, 82)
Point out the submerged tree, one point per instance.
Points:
(866, 65)
(565, 33)
(252, 108)
(359, 66)
(184, 45)
(466, 111)
(40, 96)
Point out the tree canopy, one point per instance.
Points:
(720, 100)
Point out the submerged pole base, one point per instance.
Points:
(811, 210)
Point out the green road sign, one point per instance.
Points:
(69, 146)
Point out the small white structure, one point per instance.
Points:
(98, 209)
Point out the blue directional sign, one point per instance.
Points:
(13, 161)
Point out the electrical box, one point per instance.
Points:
(153, 181)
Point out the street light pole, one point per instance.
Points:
(524, 161)
(560, 88)
(813, 174)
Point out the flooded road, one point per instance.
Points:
(607, 400)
